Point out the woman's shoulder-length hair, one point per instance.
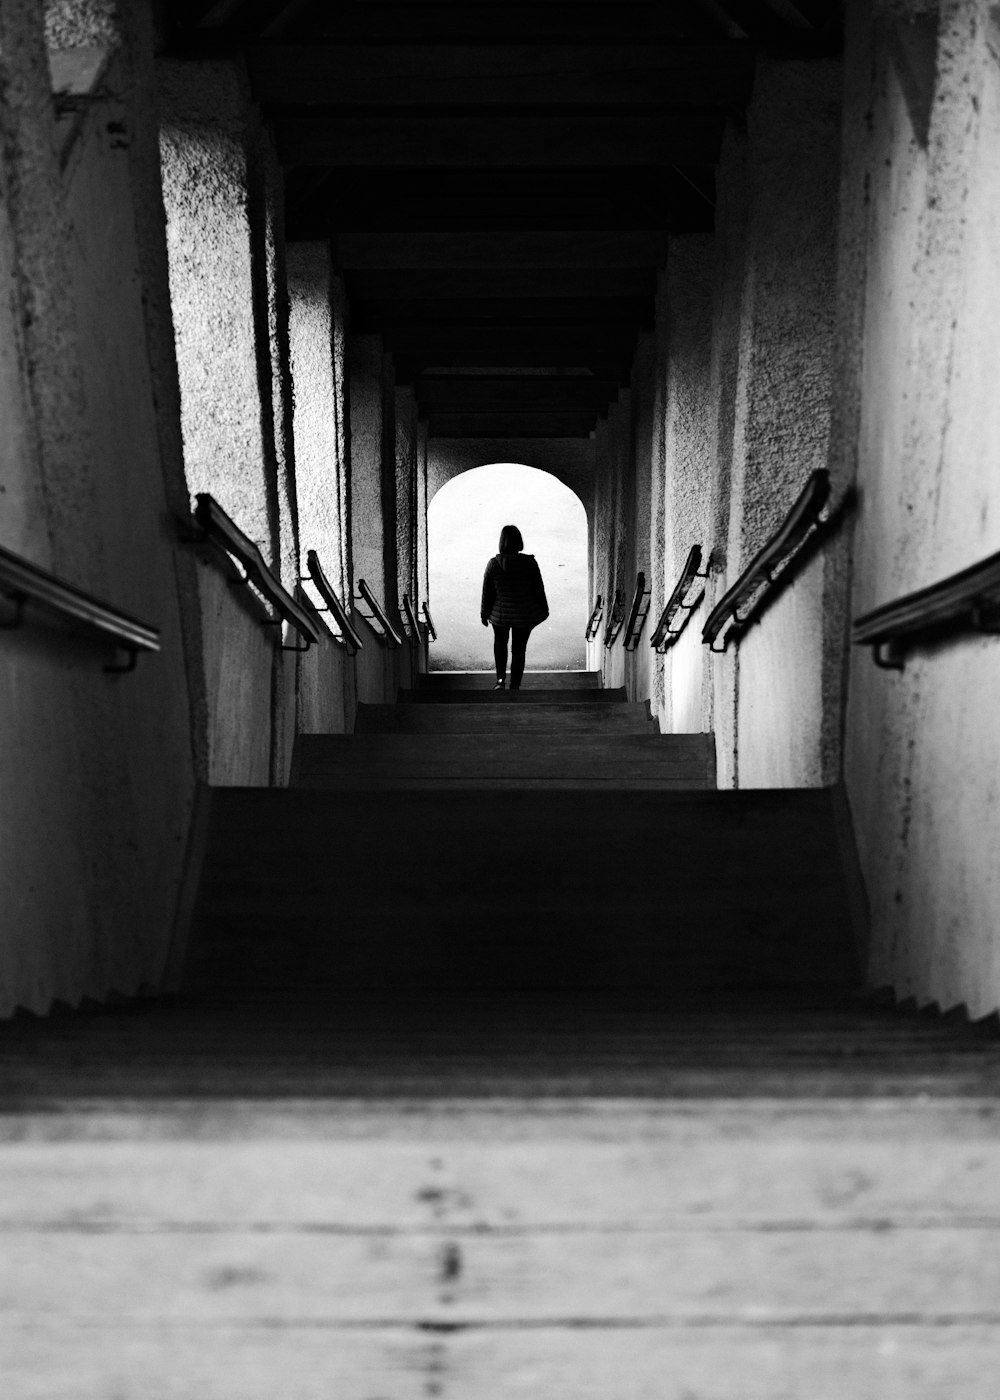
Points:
(510, 540)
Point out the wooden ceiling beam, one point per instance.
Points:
(377, 315)
(442, 21)
(499, 283)
(507, 425)
(509, 75)
(522, 248)
(500, 344)
(473, 393)
(496, 141)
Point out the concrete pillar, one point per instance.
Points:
(368, 446)
(219, 195)
(684, 314)
(921, 337)
(317, 354)
(96, 778)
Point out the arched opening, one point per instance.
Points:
(464, 521)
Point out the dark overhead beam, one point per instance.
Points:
(468, 199)
(505, 425)
(512, 345)
(515, 249)
(378, 315)
(474, 393)
(534, 20)
(496, 141)
(401, 75)
(500, 283)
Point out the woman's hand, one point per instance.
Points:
(485, 621)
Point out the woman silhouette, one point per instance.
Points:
(514, 601)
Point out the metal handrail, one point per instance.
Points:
(637, 612)
(23, 582)
(664, 634)
(759, 577)
(432, 630)
(348, 636)
(595, 620)
(969, 600)
(616, 619)
(218, 527)
(382, 625)
(409, 617)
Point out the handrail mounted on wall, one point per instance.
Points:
(221, 530)
(23, 582)
(616, 619)
(665, 634)
(637, 613)
(410, 619)
(348, 637)
(595, 620)
(968, 600)
(377, 617)
(762, 575)
(429, 621)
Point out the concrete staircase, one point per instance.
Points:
(508, 854)
(512, 1060)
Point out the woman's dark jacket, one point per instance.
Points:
(513, 592)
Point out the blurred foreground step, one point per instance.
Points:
(684, 760)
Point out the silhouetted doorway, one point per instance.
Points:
(464, 521)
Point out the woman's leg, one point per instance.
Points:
(518, 646)
(500, 635)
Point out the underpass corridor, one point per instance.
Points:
(506, 1057)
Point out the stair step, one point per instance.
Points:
(617, 758)
(320, 892)
(504, 716)
(533, 680)
(473, 696)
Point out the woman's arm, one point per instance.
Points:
(538, 589)
(489, 595)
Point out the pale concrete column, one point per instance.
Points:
(684, 311)
(368, 447)
(317, 355)
(406, 491)
(770, 690)
(205, 153)
(921, 339)
(423, 561)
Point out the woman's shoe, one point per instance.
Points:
(499, 685)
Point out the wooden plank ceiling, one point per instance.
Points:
(498, 179)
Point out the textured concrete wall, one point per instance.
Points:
(221, 246)
(922, 199)
(368, 423)
(684, 312)
(316, 336)
(782, 415)
(98, 775)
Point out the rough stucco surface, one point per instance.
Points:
(217, 280)
(686, 315)
(97, 769)
(921, 744)
(367, 411)
(782, 423)
(318, 462)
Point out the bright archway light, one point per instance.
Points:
(464, 521)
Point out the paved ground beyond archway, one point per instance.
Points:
(464, 522)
